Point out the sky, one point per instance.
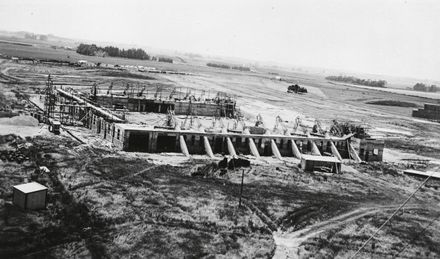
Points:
(392, 37)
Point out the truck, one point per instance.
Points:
(296, 89)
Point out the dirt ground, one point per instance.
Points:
(107, 203)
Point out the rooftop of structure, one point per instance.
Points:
(30, 187)
(320, 158)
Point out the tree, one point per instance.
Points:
(433, 88)
(358, 81)
(420, 87)
(93, 50)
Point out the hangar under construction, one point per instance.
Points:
(97, 112)
(178, 101)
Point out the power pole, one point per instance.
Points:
(241, 187)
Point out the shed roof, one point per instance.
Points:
(30, 187)
(320, 158)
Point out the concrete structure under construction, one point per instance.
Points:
(137, 138)
(141, 138)
(219, 107)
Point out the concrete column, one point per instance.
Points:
(152, 142)
(335, 151)
(208, 147)
(295, 149)
(315, 149)
(183, 146)
(253, 148)
(275, 150)
(231, 147)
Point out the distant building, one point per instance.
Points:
(429, 111)
(30, 196)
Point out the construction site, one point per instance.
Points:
(116, 161)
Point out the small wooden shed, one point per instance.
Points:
(30, 196)
(311, 163)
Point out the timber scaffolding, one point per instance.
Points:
(73, 107)
(221, 105)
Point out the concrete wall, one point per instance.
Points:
(118, 139)
(221, 108)
(152, 141)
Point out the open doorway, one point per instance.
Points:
(166, 143)
(138, 142)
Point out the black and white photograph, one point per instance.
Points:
(219, 129)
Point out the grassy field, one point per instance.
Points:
(46, 52)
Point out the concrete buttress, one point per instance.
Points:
(295, 149)
(183, 146)
(275, 150)
(208, 147)
(231, 148)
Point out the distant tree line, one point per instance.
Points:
(358, 81)
(241, 68)
(218, 65)
(425, 88)
(93, 50)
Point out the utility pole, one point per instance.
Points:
(241, 187)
